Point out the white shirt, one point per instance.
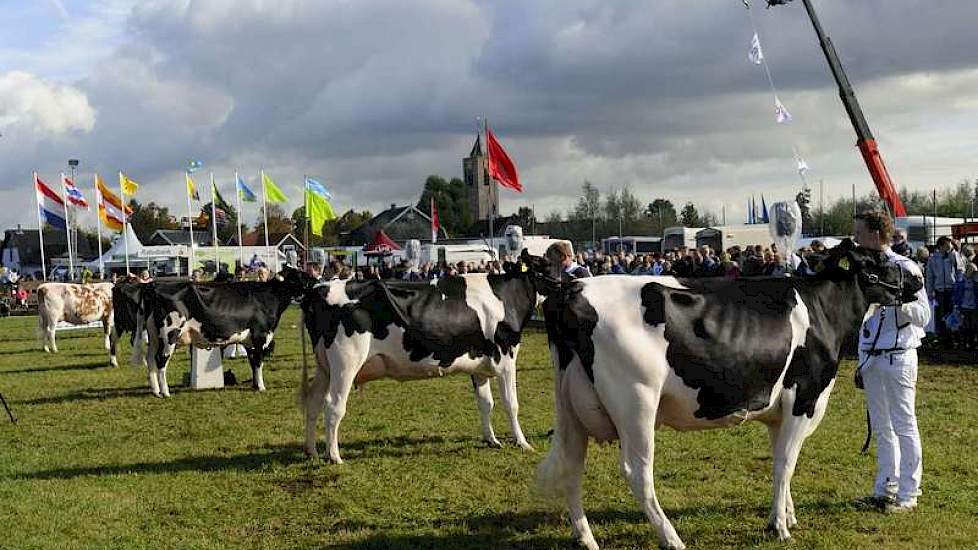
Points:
(896, 327)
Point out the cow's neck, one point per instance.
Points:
(519, 291)
(842, 302)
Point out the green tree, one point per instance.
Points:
(147, 218)
(278, 223)
(689, 217)
(661, 214)
(451, 199)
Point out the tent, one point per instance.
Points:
(381, 245)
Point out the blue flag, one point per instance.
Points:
(53, 219)
(246, 194)
(318, 188)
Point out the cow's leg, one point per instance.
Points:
(110, 341)
(561, 473)
(47, 337)
(483, 398)
(314, 402)
(152, 360)
(637, 432)
(789, 438)
(256, 358)
(345, 357)
(507, 392)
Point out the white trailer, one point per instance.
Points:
(723, 237)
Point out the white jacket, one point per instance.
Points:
(896, 327)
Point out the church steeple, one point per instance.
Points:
(476, 147)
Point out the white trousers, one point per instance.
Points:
(890, 380)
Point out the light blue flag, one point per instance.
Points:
(318, 188)
(246, 194)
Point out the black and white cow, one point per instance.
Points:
(366, 330)
(205, 315)
(126, 312)
(634, 353)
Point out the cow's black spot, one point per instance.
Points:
(570, 321)
(737, 363)
(437, 320)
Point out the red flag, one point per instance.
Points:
(435, 225)
(501, 167)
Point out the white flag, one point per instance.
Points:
(756, 55)
(802, 165)
(780, 111)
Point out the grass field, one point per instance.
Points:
(95, 462)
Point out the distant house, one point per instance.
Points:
(401, 223)
(173, 237)
(282, 241)
(20, 250)
(480, 228)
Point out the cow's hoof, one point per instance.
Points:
(780, 529)
(311, 453)
(158, 395)
(335, 460)
(494, 443)
(589, 543)
(675, 545)
(525, 445)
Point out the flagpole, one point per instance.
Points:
(308, 222)
(98, 228)
(40, 227)
(264, 212)
(190, 224)
(71, 262)
(492, 244)
(125, 223)
(217, 253)
(237, 194)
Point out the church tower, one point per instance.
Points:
(483, 192)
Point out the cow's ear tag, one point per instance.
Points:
(523, 267)
(844, 264)
(820, 266)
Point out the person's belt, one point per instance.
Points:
(877, 352)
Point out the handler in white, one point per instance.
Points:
(888, 342)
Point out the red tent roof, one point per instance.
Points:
(381, 245)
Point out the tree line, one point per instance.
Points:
(593, 214)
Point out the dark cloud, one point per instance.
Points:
(375, 95)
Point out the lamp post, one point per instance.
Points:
(72, 165)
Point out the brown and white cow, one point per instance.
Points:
(77, 304)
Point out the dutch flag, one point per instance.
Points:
(49, 204)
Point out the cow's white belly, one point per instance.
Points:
(388, 359)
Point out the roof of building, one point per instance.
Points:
(365, 232)
(254, 238)
(27, 243)
(179, 236)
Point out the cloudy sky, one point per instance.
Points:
(372, 96)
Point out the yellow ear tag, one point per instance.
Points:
(523, 268)
(819, 267)
(844, 264)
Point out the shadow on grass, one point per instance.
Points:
(89, 395)
(260, 459)
(516, 529)
(80, 366)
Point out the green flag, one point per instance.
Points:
(319, 211)
(272, 192)
(219, 200)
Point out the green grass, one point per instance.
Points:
(96, 462)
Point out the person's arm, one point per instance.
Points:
(929, 279)
(918, 311)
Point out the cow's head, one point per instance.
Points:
(882, 281)
(545, 273)
(296, 281)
